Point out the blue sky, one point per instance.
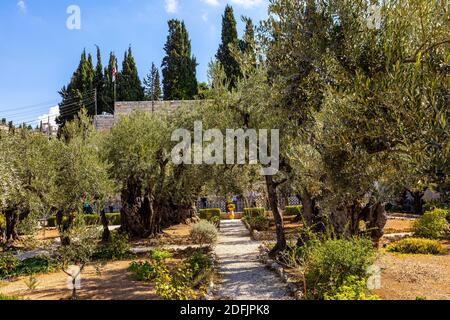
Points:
(38, 53)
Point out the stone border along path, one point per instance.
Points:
(243, 276)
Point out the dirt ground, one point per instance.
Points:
(407, 277)
(113, 283)
(398, 226)
(175, 235)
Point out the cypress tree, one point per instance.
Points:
(99, 84)
(129, 86)
(108, 97)
(247, 44)
(79, 92)
(230, 42)
(179, 66)
(152, 85)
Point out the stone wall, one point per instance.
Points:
(106, 122)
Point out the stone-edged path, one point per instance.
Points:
(243, 276)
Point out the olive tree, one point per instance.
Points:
(154, 192)
(81, 172)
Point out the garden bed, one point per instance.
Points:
(408, 277)
(112, 281)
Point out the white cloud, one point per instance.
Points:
(53, 113)
(205, 17)
(242, 3)
(248, 3)
(212, 2)
(22, 6)
(171, 6)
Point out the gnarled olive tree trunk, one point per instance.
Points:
(279, 223)
(12, 220)
(346, 220)
(144, 216)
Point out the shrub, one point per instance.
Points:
(8, 298)
(259, 223)
(417, 246)
(90, 219)
(208, 214)
(432, 225)
(8, 265)
(114, 219)
(254, 212)
(160, 255)
(204, 232)
(118, 248)
(328, 264)
(148, 270)
(293, 211)
(200, 265)
(41, 264)
(352, 289)
(175, 285)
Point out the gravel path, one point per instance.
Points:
(243, 276)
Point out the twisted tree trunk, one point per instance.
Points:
(279, 223)
(12, 219)
(106, 233)
(346, 220)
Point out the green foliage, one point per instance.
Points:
(129, 86)
(150, 270)
(417, 246)
(209, 214)
(258, 223)
(179, 66)
(204, 232)
(254, 212)
(174, 285)
(328, 264)
(147, 270)
(8, 298)
(8, 265)
(200, 264)
(12, 267)
(82, 246)
(189, 275)
(160, 255)
(352, 289)
(90, 219)
(230, 42)
(152, 85)
(293, 211)
(116, 249)
(79, 92)
(432, 225)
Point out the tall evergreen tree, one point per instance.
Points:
(79, 92)
(247, 44)
(230, 42)
(152, 85)
(108, 97)
(179, 66)
(99, 84)
(129, 86)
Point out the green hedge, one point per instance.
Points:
(91, 219)
(254, 212)
(210, 214)
(293, 211)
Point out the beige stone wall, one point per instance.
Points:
(104, 123)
